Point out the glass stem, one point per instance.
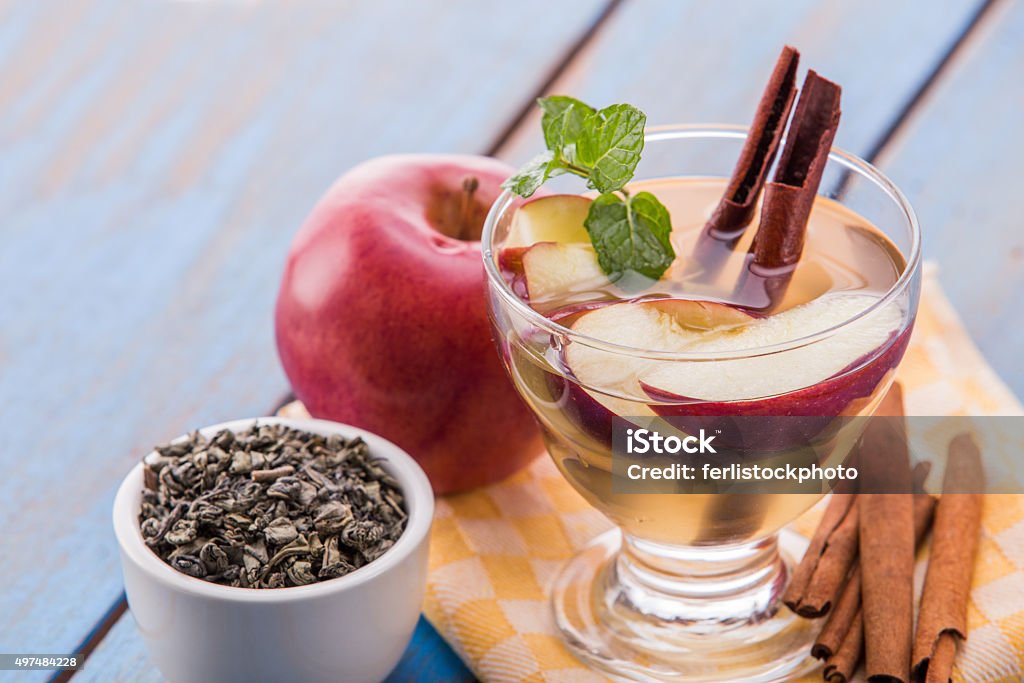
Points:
(710, 590)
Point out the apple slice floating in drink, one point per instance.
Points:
(553, 218)
(818, 379)
(777, 374)
(798, 392)
(606, 378)
(658, 324)
(551, 269)
(548, 252)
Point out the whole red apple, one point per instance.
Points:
(381, 320)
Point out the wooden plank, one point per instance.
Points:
(122, 657)
(157, 159)
(958, 159)
(700, 62)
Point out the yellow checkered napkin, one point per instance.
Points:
(496, 550)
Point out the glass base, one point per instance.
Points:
(638, 612)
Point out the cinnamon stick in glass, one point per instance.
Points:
(789, 198)
(942, 621)
(736, 208)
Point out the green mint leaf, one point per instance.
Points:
(563, 122)
(631, 234)
(532, 175)
(610, 145)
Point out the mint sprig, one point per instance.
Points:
(630, 233)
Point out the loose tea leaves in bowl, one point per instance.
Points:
(268, 507)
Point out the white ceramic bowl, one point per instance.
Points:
(353, 628)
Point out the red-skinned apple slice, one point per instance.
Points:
(607, 378)
(554, 218)
(819, 379)
(548, 252)
(797, 418)
(789, 399)
(510, 264)
(774, 376)
(657, 325)
(552, 269)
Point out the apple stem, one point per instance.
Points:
(469, 188)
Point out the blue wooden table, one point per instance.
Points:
(157, 158)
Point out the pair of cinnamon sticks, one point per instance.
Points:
(858, 568)
(789, 197)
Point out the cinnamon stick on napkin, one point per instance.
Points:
(887, 543)
(942, 621)
(827, 561)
